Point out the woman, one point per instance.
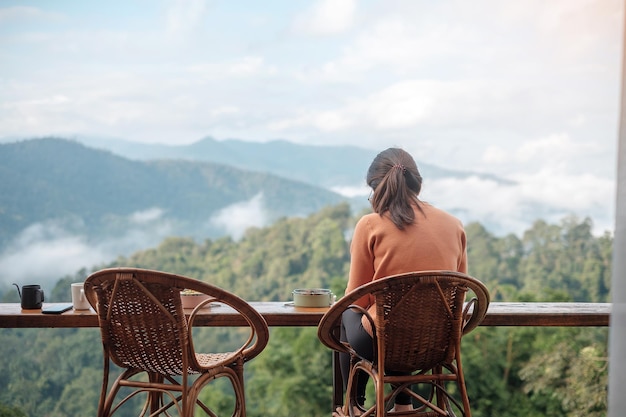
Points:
(404, 234)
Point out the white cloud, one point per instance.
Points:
(44, 252)
(402, 105)
(247, 66)
(147, 216)
(351, 191)
(243, 67)
(224, 110)
(556, 153)
(44, 262)
(512, 88)
(184, 16)
(326, 17)
(576, 193)
(395, 43)
(325, 121)
(237, 218)
(495, 155)
(405, 104)
(14, 13)
(513, 208)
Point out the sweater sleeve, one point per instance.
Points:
(362, 259)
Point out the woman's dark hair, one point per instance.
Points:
(396, 181)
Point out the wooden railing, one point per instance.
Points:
(285, 314)
(281, 314)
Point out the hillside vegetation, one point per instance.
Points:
(510, 371)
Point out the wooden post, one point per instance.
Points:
(617, 330)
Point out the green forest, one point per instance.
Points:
(510, 371)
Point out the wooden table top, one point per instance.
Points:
(285, 314)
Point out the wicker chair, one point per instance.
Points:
(145, 332)
(420, 319)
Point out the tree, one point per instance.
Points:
(291, 378)
(503, 366)
(9, 411)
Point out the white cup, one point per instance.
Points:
(79, 301)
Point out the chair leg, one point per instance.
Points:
(350, 401)
(107, 407)
(155, 398)
(463, 388)
(351, 404)
(234, 374)
(381, 409)
(102, 411)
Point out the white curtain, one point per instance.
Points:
(617, 331)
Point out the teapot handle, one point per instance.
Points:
(18, 290)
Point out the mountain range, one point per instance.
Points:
(67, 203)
(329, 167)
(119, 196)
(95, 192)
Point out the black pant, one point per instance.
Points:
(352, 331)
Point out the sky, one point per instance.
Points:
(528, 90)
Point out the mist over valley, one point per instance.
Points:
(67, 204)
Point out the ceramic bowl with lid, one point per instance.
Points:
(313, 297)
(191, 298)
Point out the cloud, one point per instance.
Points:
(18, 13)
(544, 195)
(185, 16)
(243, 67)
(237, 218)
(555, 153)
(247, 66)
(511, 88)
(44, 252)
(404, 66)
(326, 17)
(403, 105)
(581, 193)
(394, 43)
(147, 216)
(351, 191)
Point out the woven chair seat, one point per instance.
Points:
(207, 360)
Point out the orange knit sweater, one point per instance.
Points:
(436, 241)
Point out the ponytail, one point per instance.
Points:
(395, 179)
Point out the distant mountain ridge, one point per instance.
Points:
(325, 166)
(99, 193)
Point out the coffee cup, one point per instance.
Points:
(313, 297)
(79, 301)
(32, 297)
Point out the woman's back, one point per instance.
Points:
(435, 241)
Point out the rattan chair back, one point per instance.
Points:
(420, 319)
(142, 323)
(144, 329)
